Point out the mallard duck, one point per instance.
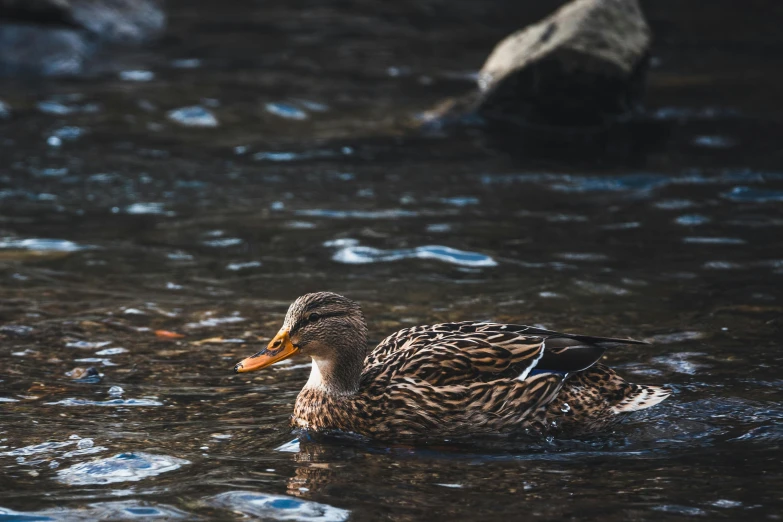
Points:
(447, 381)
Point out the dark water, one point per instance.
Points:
(116, 221)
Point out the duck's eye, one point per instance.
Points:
(313, 317)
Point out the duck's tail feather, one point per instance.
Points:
(595, 399)
(590, 339)
(571, 354)
(642, 397)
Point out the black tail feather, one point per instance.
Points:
(583, 338)
(575, 353)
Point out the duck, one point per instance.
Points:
(448, 381)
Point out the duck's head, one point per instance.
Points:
(327, 327)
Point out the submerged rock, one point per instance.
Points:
(582, 66)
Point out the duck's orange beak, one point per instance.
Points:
(278, 349)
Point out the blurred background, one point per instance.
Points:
(174, 175)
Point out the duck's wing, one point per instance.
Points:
(463, 352)
(479, 378)
(459, 378)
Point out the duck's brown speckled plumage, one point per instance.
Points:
(464, 379)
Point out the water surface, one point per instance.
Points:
(156, 226)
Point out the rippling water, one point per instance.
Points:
(156, 221)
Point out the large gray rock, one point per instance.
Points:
(123, 21)
(58, 37)
(42, 50)
(583, 65)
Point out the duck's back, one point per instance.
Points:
(468, 378)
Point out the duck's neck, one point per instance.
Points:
(335, 377)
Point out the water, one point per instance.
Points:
(161, 253)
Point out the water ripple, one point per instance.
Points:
(41, 245)
(713, 240)
(210, 322)
(195, 116)
(681, 363)
(687, 511)
(123, 510)
(643, 182)
(57, 108)
(676, 337)
(112, 351)
(125, 467)
(17, 516)
(87, 345)
(461, 201)
(591, 287)
(753, 195)
(350, 252)
(688, 113)
(285, 110)
(223, 242)
(236, 267)
(137, 76)
(147, 208)
(714, 142)
(582, 256)
(392, 213)
(692, 220)
(674, 204)
(44, 447)
(282, 156)
(71, 401)
(277, 507)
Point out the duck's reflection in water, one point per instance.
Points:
(377, 481)
(317, 466)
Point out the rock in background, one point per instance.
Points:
(58, 37)
(584, 65)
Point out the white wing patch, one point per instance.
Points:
(523, 375)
